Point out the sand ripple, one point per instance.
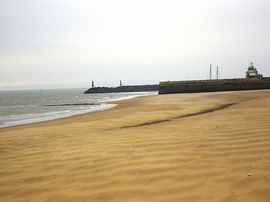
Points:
(220, 155)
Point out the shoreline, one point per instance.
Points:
(212, 147)
(62, 117)
(113, 104)
(117, 104)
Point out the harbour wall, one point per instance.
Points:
(213, 85)
(120, 89)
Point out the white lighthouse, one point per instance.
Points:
(252, 72)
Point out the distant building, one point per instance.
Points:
(252, 73)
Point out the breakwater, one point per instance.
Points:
(213, 85)
(120, 89)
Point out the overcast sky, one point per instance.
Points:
(71, 42)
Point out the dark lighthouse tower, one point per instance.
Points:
(93, 84)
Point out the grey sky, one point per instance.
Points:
(53, 42)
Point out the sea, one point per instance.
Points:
(32, 106)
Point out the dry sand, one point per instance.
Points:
(181, 147)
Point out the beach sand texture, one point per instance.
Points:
(179, 147)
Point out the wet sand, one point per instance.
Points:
(180, 147)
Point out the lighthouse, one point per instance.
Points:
(252, 72)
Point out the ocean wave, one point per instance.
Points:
(40, 117)
(54, 106)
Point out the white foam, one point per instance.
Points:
(41, 117)
(8, 119)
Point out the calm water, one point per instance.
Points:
(21, 107)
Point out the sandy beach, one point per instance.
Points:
(179, 147)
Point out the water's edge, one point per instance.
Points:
(58, 115)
